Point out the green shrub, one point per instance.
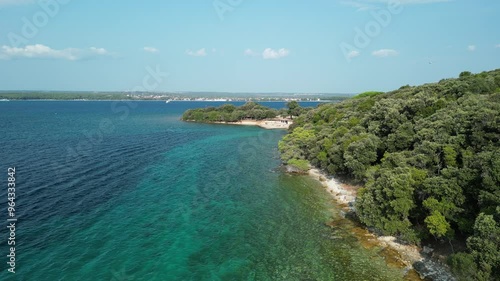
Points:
(368, 94)
(463, 266)
(302, 165)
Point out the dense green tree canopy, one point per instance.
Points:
(230, 113)
(428, 156)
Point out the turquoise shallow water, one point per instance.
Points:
(128, 192)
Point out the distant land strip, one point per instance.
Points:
(218, 97)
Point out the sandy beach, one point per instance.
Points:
(266, 124)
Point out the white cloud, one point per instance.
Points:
(250, 53)
(273, 54)
(497, 46)
(151, 50)
(471, 48)
(45, 52)
(99, 51)
(382, 53)
(353, 54)
(200, 53)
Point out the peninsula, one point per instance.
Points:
(249, 114)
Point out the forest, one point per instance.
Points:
(428, 158)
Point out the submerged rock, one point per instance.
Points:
(427, 250)
(431, 270)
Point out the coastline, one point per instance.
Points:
(266, 123)
(403, 256)
(417, 262)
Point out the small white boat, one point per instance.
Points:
(167, 101)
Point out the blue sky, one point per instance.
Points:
(317, 46)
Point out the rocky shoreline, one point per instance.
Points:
(417, 261)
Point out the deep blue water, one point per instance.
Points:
(126, 191)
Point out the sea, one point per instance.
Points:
(124, 190)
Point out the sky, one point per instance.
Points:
(245, 46)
